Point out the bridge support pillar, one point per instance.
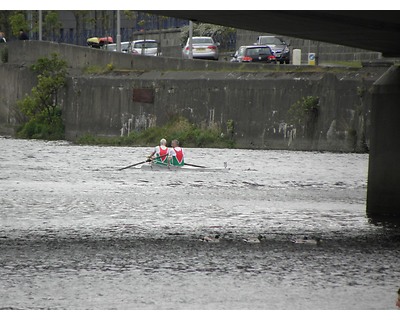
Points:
(383, 195)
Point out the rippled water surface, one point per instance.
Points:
(76, 233)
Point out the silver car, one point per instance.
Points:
(202, 48)
(146, 47)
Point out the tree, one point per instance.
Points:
(105, 23)
(5, 23)
(80, 17)
(132, 16)
(18, 22)
(52, 25)
(41, 107)
(219, 33)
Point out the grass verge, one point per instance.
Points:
(188, 134)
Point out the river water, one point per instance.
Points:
(76, 233)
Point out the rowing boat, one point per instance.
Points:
(161, 167)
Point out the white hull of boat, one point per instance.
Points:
(156, 167)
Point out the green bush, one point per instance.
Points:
(41, 108)
(299, 111)
(304, 115)
(40, 128)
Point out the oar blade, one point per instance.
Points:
(132, 165)
(194, 165)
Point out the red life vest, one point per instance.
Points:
(179, 155)
(163, 154)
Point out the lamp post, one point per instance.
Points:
(40, 26)
(190, 39)
(118, 31)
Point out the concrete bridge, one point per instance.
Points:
(370, 30)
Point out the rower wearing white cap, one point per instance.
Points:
(160, 153)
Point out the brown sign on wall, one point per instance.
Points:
(145, 95)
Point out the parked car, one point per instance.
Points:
(254, 54)
(202, 48)
(125, 47)
(146, 47)
(279, 47)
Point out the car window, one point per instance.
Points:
(124, 46)
(145, 45)
(251, 52)
(111, 47)
(258, 51)
(202, 40)
(270, 40)
(264, 51)
(151, 45)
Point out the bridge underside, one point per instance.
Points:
(383, 198)
(370, 30)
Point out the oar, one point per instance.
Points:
(141, 162)
(194, 165)
(135, 164)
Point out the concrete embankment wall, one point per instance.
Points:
(150, 91)
(15, 82)
(256, 103)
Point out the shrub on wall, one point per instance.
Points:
(303, 114)
(41, 107)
